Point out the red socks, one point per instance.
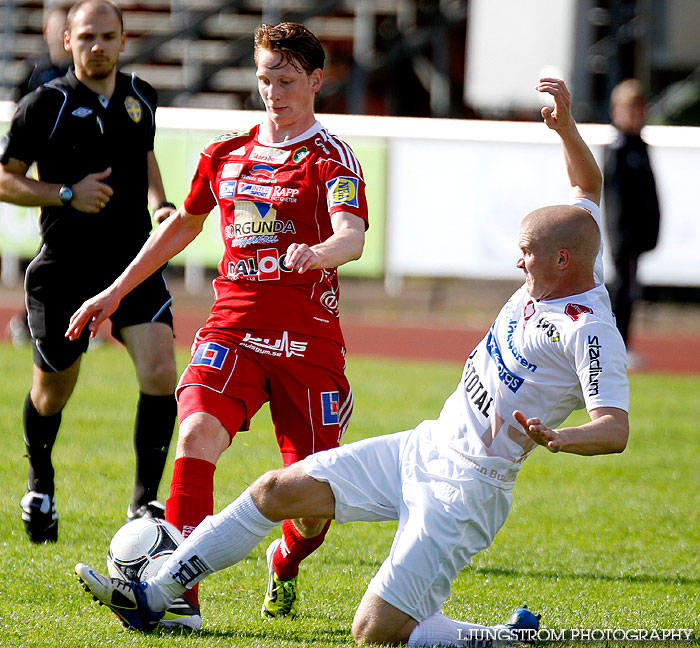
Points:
(293, 549)
(191, 493)
(191, 499)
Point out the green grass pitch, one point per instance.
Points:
(604, 542)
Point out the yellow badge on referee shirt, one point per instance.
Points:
(133, 108)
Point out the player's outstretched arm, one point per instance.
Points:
(584, 174)
(173, 236)
(605, 433)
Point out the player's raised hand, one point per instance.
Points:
(559, 117)
(91, 194)
(92, 313)
(538, 432)
(301, 257)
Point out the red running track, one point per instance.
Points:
(667, 352)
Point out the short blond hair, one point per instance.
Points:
(629, 91)
(81, 4)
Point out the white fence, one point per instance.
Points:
(449, 195)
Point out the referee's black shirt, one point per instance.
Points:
(69, 133)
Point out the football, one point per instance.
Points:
(140, 547)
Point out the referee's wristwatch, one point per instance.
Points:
(66, 195)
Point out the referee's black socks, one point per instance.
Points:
(155, 421)
(39, 437)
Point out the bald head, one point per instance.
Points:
(565, 227)
(560, 244)
(97, 6)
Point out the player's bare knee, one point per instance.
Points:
(48, 403)
(186, 441)
(268, 493)
(309, 527)
(366, 630)
(358, 629)
(267, 486)
(165, 378)
(202, 436)
(378, 622)
(195, 441)
(160, 378)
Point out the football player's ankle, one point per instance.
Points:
(160, 594)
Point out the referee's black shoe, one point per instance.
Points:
(154, 509)
(40, 518)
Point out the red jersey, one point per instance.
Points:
(271, 195)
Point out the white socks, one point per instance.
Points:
(218, 542)
(223, 539)
(439, 630)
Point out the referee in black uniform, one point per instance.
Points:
(91, 135)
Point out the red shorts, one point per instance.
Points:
(303, 378)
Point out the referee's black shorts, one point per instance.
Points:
(55, 292)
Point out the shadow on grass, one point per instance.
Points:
(277, 636)
(633, 578)
(374, 563)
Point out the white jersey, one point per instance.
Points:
(544, 358)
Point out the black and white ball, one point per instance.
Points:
(139, 549)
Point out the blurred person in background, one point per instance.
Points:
(56, 60)
(632, 214)
(50, 65)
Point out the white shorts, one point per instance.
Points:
(446, 513)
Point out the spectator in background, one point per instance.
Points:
(631, 204)
(53, 63)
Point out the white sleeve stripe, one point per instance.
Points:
(351, 157)
(347, 157)
(341, 152)
(350, 170)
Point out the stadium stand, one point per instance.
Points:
(383, 57)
